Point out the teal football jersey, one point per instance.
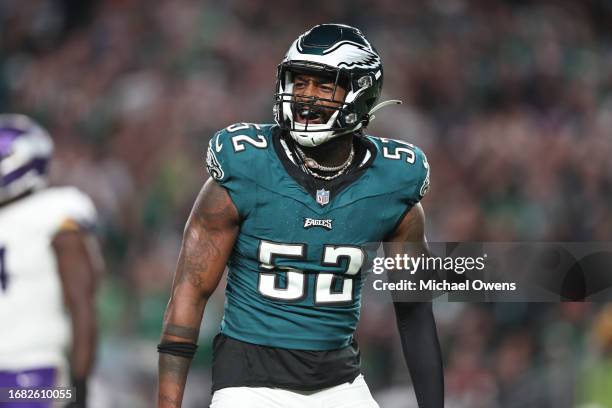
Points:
(299, 263)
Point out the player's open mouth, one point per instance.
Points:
(309, 115)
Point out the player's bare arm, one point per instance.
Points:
(80, 266)
(208, 240)
(415, 320)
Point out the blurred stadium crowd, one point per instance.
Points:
(511, 101)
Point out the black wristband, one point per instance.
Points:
(80, 385)
(186, 350)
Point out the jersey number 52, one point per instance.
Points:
(326, 289)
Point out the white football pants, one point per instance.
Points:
(347, 395)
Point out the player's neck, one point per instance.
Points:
(333, 153)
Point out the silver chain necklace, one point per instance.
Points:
(311, 164)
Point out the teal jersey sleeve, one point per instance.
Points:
(420, 179)
(405, 169)
(232, 159)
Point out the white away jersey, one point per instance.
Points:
(35, 329)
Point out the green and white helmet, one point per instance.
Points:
(343, 54)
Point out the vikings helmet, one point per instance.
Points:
(25, 150)
(343, 54)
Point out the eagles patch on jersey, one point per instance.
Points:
(212, 164)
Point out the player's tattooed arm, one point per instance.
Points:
(415, 320)
(208, 240)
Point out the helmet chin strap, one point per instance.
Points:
(382, 105)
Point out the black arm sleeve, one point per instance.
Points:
(417, 330)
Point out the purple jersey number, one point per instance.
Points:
(3, 274)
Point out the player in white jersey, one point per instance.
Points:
(49, 264)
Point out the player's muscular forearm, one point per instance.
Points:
(174, 369)
(187, 333)
(207, 243)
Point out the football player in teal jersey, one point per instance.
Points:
(289, 210)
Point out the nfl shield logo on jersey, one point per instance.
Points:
(322, 196)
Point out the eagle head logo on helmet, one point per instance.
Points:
(25, 150)
(337, 51)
